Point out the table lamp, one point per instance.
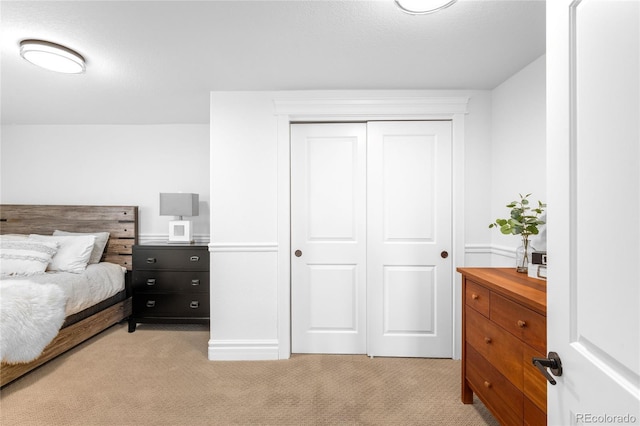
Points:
(179, 204)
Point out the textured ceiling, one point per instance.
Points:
(157, 61)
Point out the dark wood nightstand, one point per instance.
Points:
(170, 284)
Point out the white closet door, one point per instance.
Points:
(408, 233)
(328, 219)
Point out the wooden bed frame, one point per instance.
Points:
(122, 224)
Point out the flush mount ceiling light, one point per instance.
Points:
(52, 56)
(423, 7)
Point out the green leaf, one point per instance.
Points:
(506, 229)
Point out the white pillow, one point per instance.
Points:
(25, 256)
(14, 237)
(73, 251)
(98, 246)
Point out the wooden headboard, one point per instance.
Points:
(120, 221)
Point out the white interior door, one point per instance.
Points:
(594, 210)
(328, 219)
(409, 230)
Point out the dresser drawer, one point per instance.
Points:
(534, 384)
(494, 388)
(171, 305)
(495, 344)
(171, 281)
(522, 322)
(195, 259)
(533, 416)
(477, 297)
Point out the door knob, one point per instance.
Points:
(444, 254)
(298, 253)
(552, 362)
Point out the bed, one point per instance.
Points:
(121, 223)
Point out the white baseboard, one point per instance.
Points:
(243, 350)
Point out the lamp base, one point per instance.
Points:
(180, 231)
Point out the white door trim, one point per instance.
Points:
(364, 109)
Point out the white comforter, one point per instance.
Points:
(32, 309)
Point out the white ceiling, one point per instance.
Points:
(156, 61)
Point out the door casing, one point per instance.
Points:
(369, 276)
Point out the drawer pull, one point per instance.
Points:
(151, 303)
(487, 384)
(475, 296)
(151, 281)
(194, 258)
(194, 304)
(151, 260)
(195, 282)
(522, 324)
(487, 340)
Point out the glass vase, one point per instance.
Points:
(523, 256)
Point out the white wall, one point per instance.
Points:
(245, 164)
(244, 227)
(504, 154)
(108, 165)
(518, 152)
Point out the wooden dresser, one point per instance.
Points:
(504, 326)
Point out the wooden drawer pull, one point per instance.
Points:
(487, 340)
(487, 384)
(475, 296)
(522, 324)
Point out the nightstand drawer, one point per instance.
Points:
(171, 281)
(183, 258)
(171, 305)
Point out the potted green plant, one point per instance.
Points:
(524, 221)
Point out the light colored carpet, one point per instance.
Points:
(160, 375)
